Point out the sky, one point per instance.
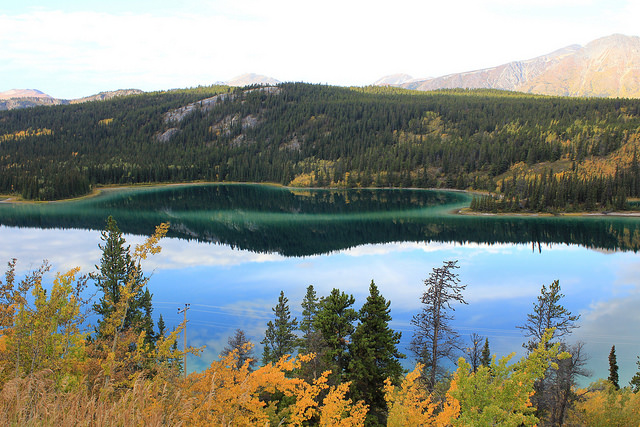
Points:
(74, 48)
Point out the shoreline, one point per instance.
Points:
(628, 214)
(465, 211)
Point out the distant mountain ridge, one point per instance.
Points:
(393, 80)
(606, 67)
(23, 93)
(25, 98)
(103, 96)
(249, 79)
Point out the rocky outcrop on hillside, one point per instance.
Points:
(204, 105)
(175, 117)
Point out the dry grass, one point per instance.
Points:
(34, 401)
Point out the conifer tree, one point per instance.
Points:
(147, 321)
(613, 368)
(485, 360)
(161, 327)
(548, 313)
(334, 321)
(311, 340)
(280, 338)
(434, 339)
(374, 356)
(635, 380)
(116, 269)
(309, 311)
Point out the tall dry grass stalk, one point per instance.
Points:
(35, 401)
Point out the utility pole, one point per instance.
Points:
(184, 333)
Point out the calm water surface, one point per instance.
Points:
(232, 248)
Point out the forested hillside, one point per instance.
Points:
(543, 153)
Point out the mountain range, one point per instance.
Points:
(24, 98)
(606, 67)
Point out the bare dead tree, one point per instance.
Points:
(560, 383)
(239, 342)
(474, 351)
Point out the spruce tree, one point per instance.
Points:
(309, 311)
(146, 322)
(161, 327)
(280, 338)
(334, 321)
(635, 380)
(613, 368)
(311, 340)
(485, 360)
(116, 269)
(374, 356)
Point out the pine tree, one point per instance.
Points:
(434, 339)
(116, 269)
(548, 313)
(280, 338)
(374, 356)
(613, 368)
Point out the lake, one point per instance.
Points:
(233, 247)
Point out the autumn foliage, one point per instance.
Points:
(51, 373)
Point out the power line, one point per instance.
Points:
(180, 311)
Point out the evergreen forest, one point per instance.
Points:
(334, 366)
(526, 152)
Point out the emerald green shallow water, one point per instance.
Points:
(306, 222)
(232, 248)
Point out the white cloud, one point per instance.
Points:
(64, 249)
(608, 323)
(333, 42)
(177, 253)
